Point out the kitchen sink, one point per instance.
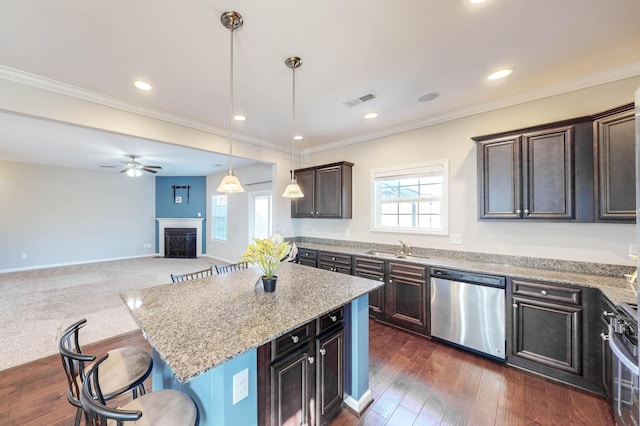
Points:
(389, 254)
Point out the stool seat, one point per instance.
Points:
(166, 407)
(123, 367)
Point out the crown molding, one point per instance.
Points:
(592, 80)
(54, 86)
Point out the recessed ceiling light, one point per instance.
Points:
(142, 85)
(239, 117)
(298, 137)
(428, 97)
(476, 1)
(500, 74)
(371, 115)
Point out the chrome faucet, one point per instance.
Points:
(405, 250)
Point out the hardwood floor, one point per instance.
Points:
(414, 381)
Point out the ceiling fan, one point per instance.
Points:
(134, 168)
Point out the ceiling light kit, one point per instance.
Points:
(428, 97)
(230, 183)
(142, 85)
(370, 115)
(134, 169)
(293, 190)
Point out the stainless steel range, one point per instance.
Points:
(623, 341)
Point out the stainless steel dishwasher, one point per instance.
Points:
(468, 310)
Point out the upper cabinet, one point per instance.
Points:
(614, 165)
(532, 174)
(327, 192)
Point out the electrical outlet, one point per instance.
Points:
(240, 386)
(455, 239)
(23, 256)
(347, 231)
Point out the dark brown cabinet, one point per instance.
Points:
(614, 165)
(303, 379)
(334, 262)
(327, 192)
(531, 174)
(372, 269)
(605, 350)
(406, 297)
(551, 331)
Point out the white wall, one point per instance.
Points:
(60, 216)
(238, 209)
(605, 243)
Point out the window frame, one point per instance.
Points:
(215, 219)
(407, 171)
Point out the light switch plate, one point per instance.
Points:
(455, 239)
(240, 386)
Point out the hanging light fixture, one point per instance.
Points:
(230, 183)
(293, 190)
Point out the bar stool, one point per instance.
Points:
(177, 278)
(126, 371)
(165, 407)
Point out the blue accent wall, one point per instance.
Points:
(194, 200)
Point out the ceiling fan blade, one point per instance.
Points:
(123, 170)
(148, 170)
(109, 167)
(153, 167)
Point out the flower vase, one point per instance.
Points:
(269, 284)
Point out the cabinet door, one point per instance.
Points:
(407, 302)
(329, 374)
(304, 207)
(548, 174)
(549, 334)
(328, 195)
(499, 178)
(292, 389)
(615, 167)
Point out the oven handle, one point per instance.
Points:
(623, 354)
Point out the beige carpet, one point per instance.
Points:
(35, 306)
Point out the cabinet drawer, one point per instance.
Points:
(369, 266)
(327, 321)
(335, 258)
(307, 254)
(556, 293)
(292, 340)
(408, 271)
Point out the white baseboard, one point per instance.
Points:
(359, 405)
(82, 262)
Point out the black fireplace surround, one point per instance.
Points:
(180, 242)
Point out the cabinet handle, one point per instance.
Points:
(515, 305)
(526, 212)
(390, 281)
(518, 211)
(608, 314)
(604, 337)
(311, 360)
(333, 318)
(316, 212)
(381, 278)
(323, 351)
(543, 292)
(333, 258)
(295, 339)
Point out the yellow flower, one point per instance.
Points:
(266, 255)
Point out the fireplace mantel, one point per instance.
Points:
(180, 222)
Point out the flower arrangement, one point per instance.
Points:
(267, 253)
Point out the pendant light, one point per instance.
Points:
(230, 183)
(293, 190)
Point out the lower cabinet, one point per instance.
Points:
(407, 295)
(301, 374)
(605, 350)
(372, 269)
(334, 262)
(552, 331)
(307, 257)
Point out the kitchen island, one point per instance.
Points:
(206, 331)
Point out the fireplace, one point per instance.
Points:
(179, 222)
(180, 242)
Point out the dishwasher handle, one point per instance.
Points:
(469, 277)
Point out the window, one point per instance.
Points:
(219, 217)
(260, 215)
(411, 199)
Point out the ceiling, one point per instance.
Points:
(398, 50)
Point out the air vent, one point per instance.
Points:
(360, 99)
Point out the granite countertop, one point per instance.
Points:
(199, 324)
(614, 287)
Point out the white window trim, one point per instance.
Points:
(213, 239)
(406, 170)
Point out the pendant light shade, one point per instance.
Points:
(293, 190)
(230, 183)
